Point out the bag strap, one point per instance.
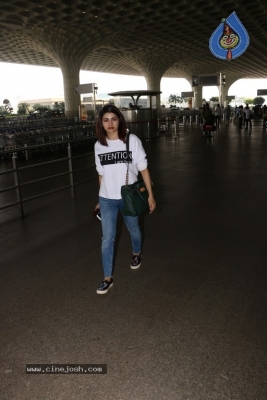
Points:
(127, 149)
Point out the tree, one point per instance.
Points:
(214, 98)
(42, 109)
(3, 110)
(259, 100)
(248, 101)
(36, 106)
(59, 106)
(8, 107)
(23, 108)
(172, 98)
(184, 99)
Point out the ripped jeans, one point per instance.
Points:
(109, 212)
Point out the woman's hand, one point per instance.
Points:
(152, 204)
(151, 200)
(97, 206)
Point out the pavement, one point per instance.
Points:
(190, 324)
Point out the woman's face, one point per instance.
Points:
(110, 123)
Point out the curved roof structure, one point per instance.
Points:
(119, 36)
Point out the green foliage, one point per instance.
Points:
(59, 106)
(8, 107)
(173, 98)
(36, 106)
(259, 100)
(42, 109)
(3, 110)
(248, 101)
(23, 108)
(214, 98)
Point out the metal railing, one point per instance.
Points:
(12, 137)
(16, 170)
(171, 123)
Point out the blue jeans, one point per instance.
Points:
(109, 212)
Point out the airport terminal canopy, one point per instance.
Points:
(121, 36)
(149, 38)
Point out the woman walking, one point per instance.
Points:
(227, 115)
(218, 113)
(111, 160)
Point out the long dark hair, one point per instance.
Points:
(100, 131)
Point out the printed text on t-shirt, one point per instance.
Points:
(115, 157)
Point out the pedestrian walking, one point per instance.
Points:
(218, 113)
(227, 114)
(247, 114)
(111, 160)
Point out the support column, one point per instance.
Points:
(68, 51)
(71, 81)
(223, 89)
(198, 96)
(153, 83)
(152, 67)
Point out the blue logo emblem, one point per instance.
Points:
(230, 39)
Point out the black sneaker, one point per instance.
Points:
(136, 261)
(104, 286)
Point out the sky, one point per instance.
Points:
(19, 82)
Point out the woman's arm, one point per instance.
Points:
(151, 201)
(99, 179)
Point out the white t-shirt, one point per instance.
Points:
(111, 163)
(218, 111)
(247, 112)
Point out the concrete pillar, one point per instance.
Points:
(223, 92)
(223, 89)
(153, 83)
(71, 81)
(68, 52)
(197, 101)
(152, 68)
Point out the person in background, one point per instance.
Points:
(227, 115)
(247, 115)
(236, 111)
(208, 117)
(111, 160)
(218, 113)
(240, 116)
(264, 116)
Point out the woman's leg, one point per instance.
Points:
(109, 212)
(132, 224)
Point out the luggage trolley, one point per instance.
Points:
(208, 130)
(209, 126)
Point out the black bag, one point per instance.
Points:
(134, 196)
